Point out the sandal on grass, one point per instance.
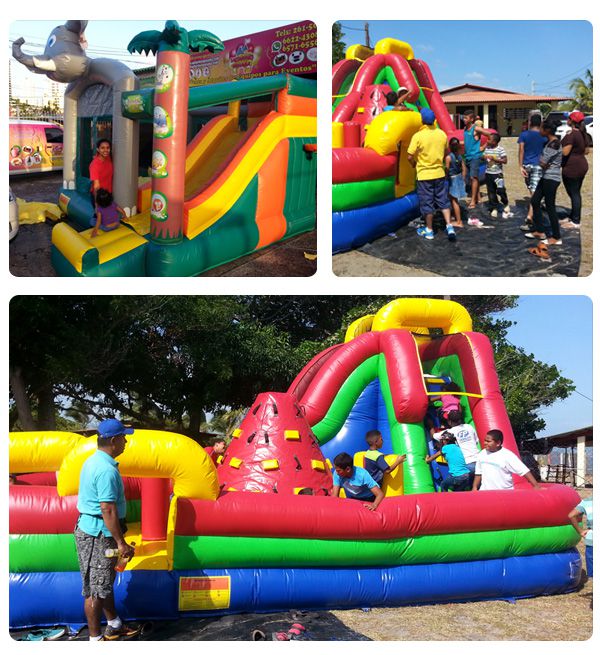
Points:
(541, 251)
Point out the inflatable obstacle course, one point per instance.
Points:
(261, 533)
(373, 182)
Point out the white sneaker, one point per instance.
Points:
(494, 213)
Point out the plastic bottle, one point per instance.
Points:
(121, 561)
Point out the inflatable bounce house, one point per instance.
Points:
(373, 183)
(246, 180)
(261, 533)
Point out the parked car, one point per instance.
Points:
(13, 215)
(35, 147)
(564, 128)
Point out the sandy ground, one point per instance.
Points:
(29, 252)
(355, 263)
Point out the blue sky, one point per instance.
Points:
(109, 38)
(558, 330)
(504, 54)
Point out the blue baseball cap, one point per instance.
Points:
(112, 427)
(427, 116)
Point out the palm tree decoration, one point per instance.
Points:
(173, 45)
(583, 91)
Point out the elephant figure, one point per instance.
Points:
(64, 58)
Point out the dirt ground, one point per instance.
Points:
(356, 263)
(29, 252)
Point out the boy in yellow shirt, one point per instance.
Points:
(426, 152)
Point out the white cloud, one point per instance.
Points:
(475, 76)
(424, 47)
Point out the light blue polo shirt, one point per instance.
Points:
(587, 507)
(358, 486)
(99, 482)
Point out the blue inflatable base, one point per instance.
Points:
(39, 599)
(355, 227)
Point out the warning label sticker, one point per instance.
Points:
(204, 592)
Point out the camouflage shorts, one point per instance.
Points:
(97, 571)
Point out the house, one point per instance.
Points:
(498, 108)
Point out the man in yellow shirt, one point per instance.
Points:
(426, 151)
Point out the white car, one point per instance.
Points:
(563, 129)
(13, 215)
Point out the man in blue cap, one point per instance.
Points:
(101, 526)
(426, 152)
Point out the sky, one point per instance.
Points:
(109, 38)
(511, 55)
(558, 330)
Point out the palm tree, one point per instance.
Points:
(583, 91)
(173, 45)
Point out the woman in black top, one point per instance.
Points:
(574, 166)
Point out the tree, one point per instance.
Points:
(338, 47)
(583, 92)
(544, 107)
(167, 362)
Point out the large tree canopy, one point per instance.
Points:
(166, 362)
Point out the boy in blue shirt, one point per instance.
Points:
(375, 464)
(531, 144)
(355, 481)
(459, 475)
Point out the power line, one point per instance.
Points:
(563, 77)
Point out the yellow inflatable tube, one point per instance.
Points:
(151, 454)
(394, 47)
(39, 452)
(337, 135)
(358, 327)
(358, 51)
(390, 128)
(421, 314)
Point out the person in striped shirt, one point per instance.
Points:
(495, 157)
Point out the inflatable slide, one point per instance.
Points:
(373, 183)
(250, 180)
(260, 532)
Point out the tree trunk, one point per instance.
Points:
(46, 409)
(22, 402)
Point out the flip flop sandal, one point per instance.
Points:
(535, 235)
(258, 635)
(558, 242)
(541, 251)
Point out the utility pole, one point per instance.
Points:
(367, 37)
(532, 87)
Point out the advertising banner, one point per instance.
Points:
(287, 49)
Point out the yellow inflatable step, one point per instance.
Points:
(73, 245)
